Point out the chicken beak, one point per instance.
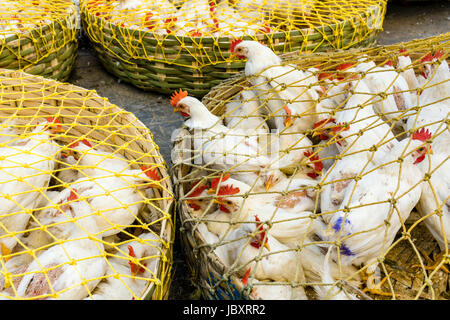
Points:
(269, 182)
(176, 109)
(211, 191)
(5, 252)
(266, 245)
(218, 201)
(429, 150)
(317, 133)
(58, 129)
(67, 153)
(288, 122)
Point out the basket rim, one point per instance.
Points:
(166, 234)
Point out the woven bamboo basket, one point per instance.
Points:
(403, 262)
(46, 42)
(26, 100)
(197, 63)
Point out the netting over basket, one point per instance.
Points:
(166, 45)
(85, 193)
(38, 37)
(318, 177)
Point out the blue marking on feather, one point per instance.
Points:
(337, 225)
(346, 250)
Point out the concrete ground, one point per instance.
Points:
(405, 20)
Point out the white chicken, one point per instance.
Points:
(390, 92)
(8, 131)
(197, 198)
(375, 206)
(89, 161)
(117, 198)
(250, 247)
(244, 112)
(358, 126)
(433, 106)
(435, 196)
(53, 222)
(69, 270)
(404, 63)
(283, 89)
(25, 169)
(129, 4)
(233, 202)
(290, 213)
(366, 138)
(129, 270)
(215, 145)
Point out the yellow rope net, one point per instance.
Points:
(86, 199)
(38, 36)
(169, 44)
(320, 177)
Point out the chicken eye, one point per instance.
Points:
(421, 149)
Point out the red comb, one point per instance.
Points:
(195, 33)
(389, 63)
(77, 143)
(73, 195)
(340, 127)
(422, 135)
(427, 58)
(403, 51)
(177, 96)
(307, 153)
(133, 266)
(215, 182)
(152, 174)
(149, 22)
(344, 66)
(325, 75)
(234, 44)
(265, 28)
(438, 54)
(228, 190)
(323, 122)
(318, 165)
(53, 119)
(246, 276)
(288, 111)
(198, 190)
(74, 144)
(87, 143)
(259, 237)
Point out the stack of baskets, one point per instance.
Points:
(404, 262)
(149, 57)
(39, 37)
(135, 231)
